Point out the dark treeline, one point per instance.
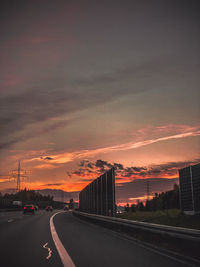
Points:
(162, 201)
(27, 195)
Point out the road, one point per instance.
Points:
(24, 238)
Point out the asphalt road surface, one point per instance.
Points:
(26, 240)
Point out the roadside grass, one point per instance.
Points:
(171, 217)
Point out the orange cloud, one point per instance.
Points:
(69, 157)
(7, 179)
(46, 166)
(69, 187)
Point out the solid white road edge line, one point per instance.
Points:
(65, 258)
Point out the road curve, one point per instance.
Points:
(26, 241)
(90, 245)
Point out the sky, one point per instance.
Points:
(86, 85)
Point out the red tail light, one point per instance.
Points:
(24, 207)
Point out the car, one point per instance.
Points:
(49, 208)
(66, 207)
(29, 209)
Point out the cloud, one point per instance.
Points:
(56, 96)
(94, 168)
(49, 98)
(170, 168)
(90, 170)
(54, 184)
(46, 166)
(28, 107)
(54, 88)
(68, 157)
(28, 134)
(47, 158)
(103, 164)
(6, 178)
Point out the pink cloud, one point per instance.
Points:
(11, 81)
(69, 157)
(169, 128)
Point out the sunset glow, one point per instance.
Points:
(84, 92)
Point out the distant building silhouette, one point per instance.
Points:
(189, 180)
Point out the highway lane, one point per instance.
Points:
(10, 216)
(22, 238)
(90, 245)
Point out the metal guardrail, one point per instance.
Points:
(179, 232)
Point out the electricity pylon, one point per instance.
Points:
(18, 174)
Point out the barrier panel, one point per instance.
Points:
(98, 197)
